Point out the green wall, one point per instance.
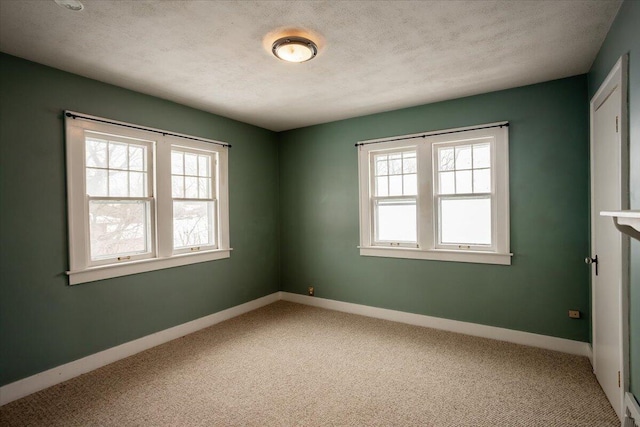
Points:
(43, 321)
(549, 163)
(624, 37)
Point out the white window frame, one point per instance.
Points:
(425, 144)
(162, 254)
(213, 198)
(375, 198)
(150, 199)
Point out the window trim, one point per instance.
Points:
(81, 269)
(425, 144)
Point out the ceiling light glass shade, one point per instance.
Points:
(294, 49)
(74, 5)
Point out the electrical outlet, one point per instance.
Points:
(574, 314)
(311, 291)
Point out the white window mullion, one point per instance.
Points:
(371, 190)
(164, 203)
(425, 196)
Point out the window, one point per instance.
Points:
(395, 197)
(192, 187)
(118, 197)
(142, 200)
(441, 195)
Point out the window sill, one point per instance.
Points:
(92, 274)
(438, 255)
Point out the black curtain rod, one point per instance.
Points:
(77, 116)
(431, 134)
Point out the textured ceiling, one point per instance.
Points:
(373, 55)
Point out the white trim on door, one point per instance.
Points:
(617, 78)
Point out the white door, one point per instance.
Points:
(607, 187)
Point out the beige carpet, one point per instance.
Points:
(288, 364)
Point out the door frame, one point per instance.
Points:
(617, 77)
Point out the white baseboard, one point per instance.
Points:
(484, 331)
(42, 380)
(632, 411)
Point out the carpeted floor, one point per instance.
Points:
(288, 364)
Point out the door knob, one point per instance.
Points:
(589, 260)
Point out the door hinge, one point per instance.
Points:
(616, 124)
(618, 379)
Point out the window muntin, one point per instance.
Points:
(464, 168)
(194, 202)
(461, 202)
(116, 166)
(395, 183)
(396, 174)
(120, 204)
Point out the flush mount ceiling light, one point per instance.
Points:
(74, 5)
(294, 49)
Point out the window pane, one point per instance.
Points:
(177, 186)
(137, 184)
(395, 185)
(382, 186)
(381, 167)
(446, 159)
(463, 157)
(410, 185)
(395, 221)
(465, 221)
(482, 181)
(190, 187)
(481, 156)
(463, 182)
(118, 228)
(97, 182)
(409, 165)
(203, 166)
(136, 158)
(193, 224)
(177, 166)
(118, 185)
(447, 183)
(118, 155)
(96, 153)
(190, 164)
(203, 188)
(395, 165)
